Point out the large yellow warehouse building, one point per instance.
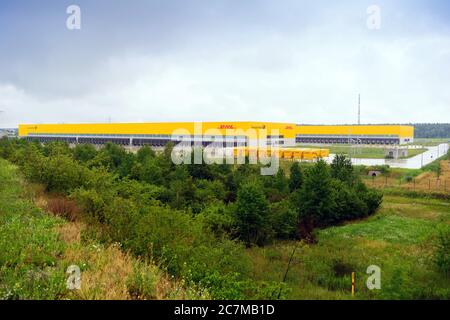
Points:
(235, 133)
(355, 134)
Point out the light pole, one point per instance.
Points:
(421, 165)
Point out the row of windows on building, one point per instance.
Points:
(134, 142)
(162, 142)
(328, 140)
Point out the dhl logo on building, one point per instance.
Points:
(226, 126)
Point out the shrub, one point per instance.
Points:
(342, 169)
(284, 219)
(349, 203)
(142, 282)
(93, 202)
(185, 246)
(142, 193)
(144, 154)
(55, 148)
(63, 207)
(209, 191)
(63, 174)
(149, 171)
(315, 199)
(219, 219)
(251, 213)
(84, 152)
(296, 177)
(121, 216)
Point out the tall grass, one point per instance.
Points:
(404, 239)
(36, 248)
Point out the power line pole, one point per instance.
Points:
(359, 109)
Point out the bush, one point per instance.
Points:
(121, 216)
(144, 154)
(63, 207)
(295, 177)
(315, 199)
(209, 191)
(62, 174)
(141, 284)
(148, 171)
(84, 152)
(342, 169)
(93, 202)
(284, 220)
(185, 246)
(55, 148)
(219, 219)
(349, 204)
(323, 200)
(251, 213)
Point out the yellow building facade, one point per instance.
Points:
(235, 133)
(355, 134)
(157, 134)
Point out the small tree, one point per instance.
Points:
(342, 169)
(251, 212)
(296, 177)
(315, 199)
(56, 148)
(150, 172)
(145, 153)
(84, 152)
(281, 182)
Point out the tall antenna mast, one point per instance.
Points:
(359, 109)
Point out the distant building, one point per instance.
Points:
(9, 132)
(231, 134)
(236, 133)
(355, 134)
(396, 152)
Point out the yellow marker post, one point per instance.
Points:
(353, 284)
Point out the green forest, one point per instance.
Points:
(431, 130)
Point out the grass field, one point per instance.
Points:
(424, 180)
(365, 152)
(399, 239)
(430, 142)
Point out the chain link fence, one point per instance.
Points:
(413, 184)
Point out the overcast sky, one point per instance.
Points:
(216, 60)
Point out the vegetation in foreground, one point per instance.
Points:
(214, 227)
(37, 248)
(408, 239)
